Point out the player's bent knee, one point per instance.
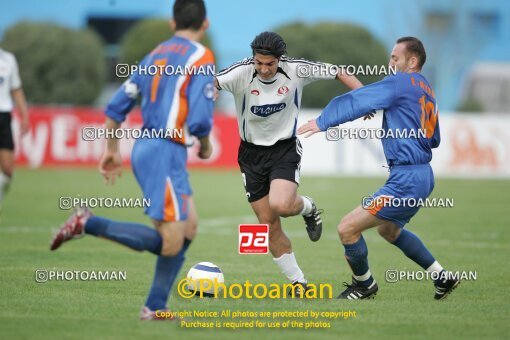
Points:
(282, 208)
(389, 232)
(346, 230)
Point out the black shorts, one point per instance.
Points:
(6, 141)
(262, 164)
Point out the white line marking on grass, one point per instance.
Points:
(228, 226)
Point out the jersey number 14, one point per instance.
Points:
(428, 116)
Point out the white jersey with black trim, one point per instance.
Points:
(9, 79)
(267, 110)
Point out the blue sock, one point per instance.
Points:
(356, 255)
(135, 236)
(167, 269)
(414, 248)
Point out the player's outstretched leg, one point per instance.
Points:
(413, 248)
(363, 285)
(133, 235)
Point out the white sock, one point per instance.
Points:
(4, 185)
(289, 267)
(363, 277)
(435, 267)
(307, 206)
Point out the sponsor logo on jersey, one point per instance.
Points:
(255, 92)
(267, 110)
(209, 91)
(282, 91)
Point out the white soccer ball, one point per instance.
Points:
(203, 276)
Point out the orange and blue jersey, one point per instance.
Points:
(178, 97)
(181, 101)
(409, 104)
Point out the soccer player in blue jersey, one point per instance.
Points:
(179, 102)
(409, 103)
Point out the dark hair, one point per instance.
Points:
(269, 43)
(414, 46)
(189, 14)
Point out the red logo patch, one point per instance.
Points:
(283, 90)
(255, 92)
(253, 239)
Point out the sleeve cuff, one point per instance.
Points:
(115, 116)
(320, 124)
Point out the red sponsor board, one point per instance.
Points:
(55, 139)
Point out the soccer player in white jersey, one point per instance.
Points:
(267, 89)
(10, 90)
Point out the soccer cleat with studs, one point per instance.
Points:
(74, 227)
(445, 284)
(356, 291)
(299, 289)
(313, 222)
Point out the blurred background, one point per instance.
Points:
(67, 52)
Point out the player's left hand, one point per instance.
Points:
(110, 166)
(369, 115)
(309, 128)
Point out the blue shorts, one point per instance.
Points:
(405, 182)
(160, 169)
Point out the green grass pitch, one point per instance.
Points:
(471, 236)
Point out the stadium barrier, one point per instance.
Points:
(56, 139)
(473, 145)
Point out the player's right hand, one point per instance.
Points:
(309, 128)
(205, 150)
(110, 166)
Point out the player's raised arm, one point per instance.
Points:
(353, 105)
(201, 95)
(348, 80)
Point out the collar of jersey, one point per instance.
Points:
(272, 80)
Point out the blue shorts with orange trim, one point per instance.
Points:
(406, 184)
(160, 169)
